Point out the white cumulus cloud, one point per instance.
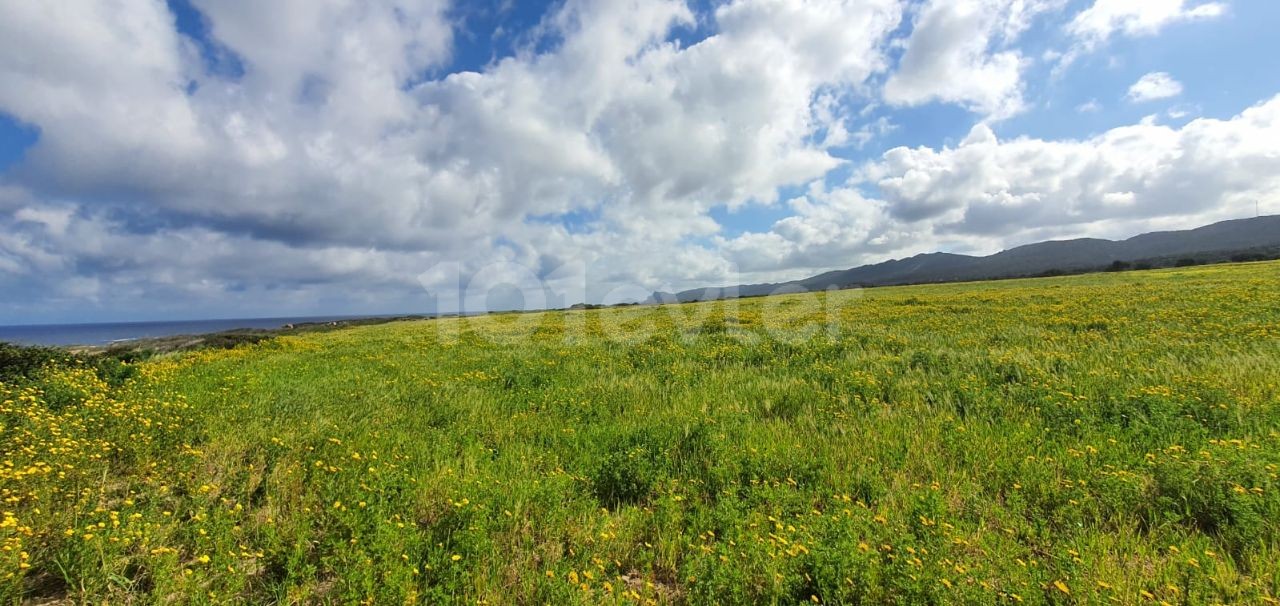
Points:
(1106, 18)
(986, 194)
(1200, 171)
(343, 157)
(959, 52)
(1154, 86)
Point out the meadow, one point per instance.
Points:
(1110, 438)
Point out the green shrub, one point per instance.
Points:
(624, 477)
(19, 363)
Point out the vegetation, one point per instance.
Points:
(140, 349)
(1090, 439)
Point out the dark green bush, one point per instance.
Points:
(1201, 496)
(20, 363)
(624, 477)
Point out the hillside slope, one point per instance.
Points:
(1098, 439)
(1257, 235)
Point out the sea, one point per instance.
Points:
(118, 332)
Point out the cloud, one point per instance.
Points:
(838, 227)
(1179, 112)
(986, 194)
(1204, 170)
(340, 160)
(1089, 107)
(337, 145)
(959, 52)
(1096, 25)
(662, 132)
(1154, 86)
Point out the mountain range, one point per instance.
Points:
(1239, 240)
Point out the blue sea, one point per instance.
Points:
(104, 334)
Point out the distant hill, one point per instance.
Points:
(1240, 239)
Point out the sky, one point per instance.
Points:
(235, 158)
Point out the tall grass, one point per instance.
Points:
(1091, 439)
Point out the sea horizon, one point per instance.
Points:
(105, 333)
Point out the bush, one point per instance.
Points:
(624, 477)
(231, 340)
(19, 363)
(1199, 495)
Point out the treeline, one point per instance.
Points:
(1209, 258)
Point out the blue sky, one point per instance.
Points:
(194, 158)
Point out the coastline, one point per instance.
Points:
(224, 339)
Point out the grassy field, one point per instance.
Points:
(1110, 438)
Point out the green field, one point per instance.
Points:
(1111, 438)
